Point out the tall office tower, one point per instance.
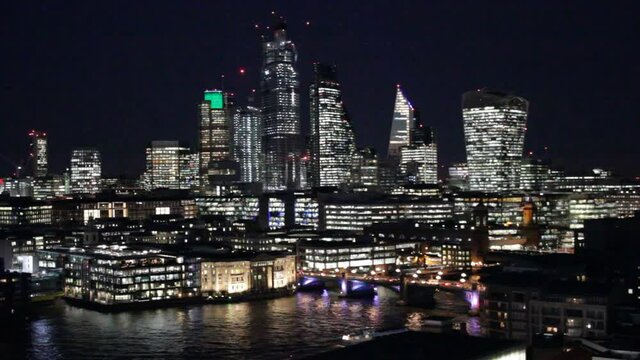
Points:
(365, 167)
(164, 165)
(216, 121)
(38, 153)
(494, 128)
(247, 141)
(419, 160)
(403, 121)
(332, 141)
(86, 171)
(280, 112)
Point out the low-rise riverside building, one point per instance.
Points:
(247, 273)
(112, 276)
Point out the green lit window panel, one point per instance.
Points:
(215, 99)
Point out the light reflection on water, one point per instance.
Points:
(272, 329)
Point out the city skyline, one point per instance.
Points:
(319, 180)
(549, 122)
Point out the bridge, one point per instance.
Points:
(414, 288)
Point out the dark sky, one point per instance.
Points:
(118, 74)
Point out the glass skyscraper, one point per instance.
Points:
(216, 112)
(86, 171)
(38, 153)
(401, 125)
(332, 143)
(247, 140)
(280, 95)
(494, 129)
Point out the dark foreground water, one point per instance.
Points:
(283, 328)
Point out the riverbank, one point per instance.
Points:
(167, 303)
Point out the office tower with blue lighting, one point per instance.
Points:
(280, 96)
(494, 129)
(332, 142)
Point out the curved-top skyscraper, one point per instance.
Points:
(494, 128)
(280, 97)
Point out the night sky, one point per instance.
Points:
(118, 74)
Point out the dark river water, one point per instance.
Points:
(285, 328)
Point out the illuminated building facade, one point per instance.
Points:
(38, 155)
(189, 170)
(458, 176)
(216, 111)
(419, 163)
(247, 141)
(86, 171)
(419, 159)
(280, 96)
(118, 275)
(365, 168)
(534, 175)
(332, 139)
(356, 215)
(247, 273)
(164, 162)
(401, 126)
(24, 211)
(232, 207)
(494, 129)
(319, 255)
(80, 211)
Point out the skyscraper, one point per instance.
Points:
(494, 128)
(247, 141)
(216, 112)
(419, 160)
(332, 143)
(401, 125)
(86, 171)
(38, 153)
(164, 165)
(280, 112)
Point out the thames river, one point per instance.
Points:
(285, 328)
